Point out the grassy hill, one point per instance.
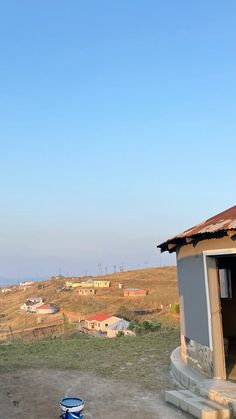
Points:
(161, 284)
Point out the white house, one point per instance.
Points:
(26, 284)
(6, 290)
(31, 304)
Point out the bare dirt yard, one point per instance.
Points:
(121, 378)
(35, 394)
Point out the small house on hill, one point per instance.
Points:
(76, 284)
(31, 304)
(88, 283)
(100, 321)
(6, 290)
(102, 284)
(134, 292)
(70, 282)
(86, 291)
(25, 285)
(206, 264)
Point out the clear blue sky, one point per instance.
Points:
(117, 129)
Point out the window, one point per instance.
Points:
(225, 283)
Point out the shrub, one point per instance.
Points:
(132, 325)
(175, 308)
(138, 330)
(120, 334)
(155, 326)
(144, 327)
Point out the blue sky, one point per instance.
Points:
(117, 129)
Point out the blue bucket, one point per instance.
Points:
(72, 408)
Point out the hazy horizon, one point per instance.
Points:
(100, 270)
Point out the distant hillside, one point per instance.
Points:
(161, 284)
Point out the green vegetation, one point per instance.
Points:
(144, 358)
(120, 334)
(144, 326)
(175, 308)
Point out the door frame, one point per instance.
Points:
(214, 309)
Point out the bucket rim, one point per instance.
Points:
(78, 402)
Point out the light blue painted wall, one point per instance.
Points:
(193, 299)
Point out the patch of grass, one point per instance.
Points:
(143, 358)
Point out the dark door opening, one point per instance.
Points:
(227, 288)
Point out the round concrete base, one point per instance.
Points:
(220, 391)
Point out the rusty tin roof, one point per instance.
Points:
(217, 226)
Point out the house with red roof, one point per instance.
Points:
(100, 321)
(134, 292)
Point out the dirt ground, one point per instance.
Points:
(35, 394)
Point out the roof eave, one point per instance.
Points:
(172, 245)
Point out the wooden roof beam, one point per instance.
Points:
(232, 234)
(171, 246)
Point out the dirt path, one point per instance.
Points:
(35, 394)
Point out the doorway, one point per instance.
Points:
(226, 266)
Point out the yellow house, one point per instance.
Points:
(76, 284)
(73, 283)
(100, 321)
(102, 284)
(69, 283)
(89, 283)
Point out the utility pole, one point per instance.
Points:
(99, 269)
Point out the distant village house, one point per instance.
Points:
(37, 305)
(86, 291)
(88, 283)
(102, 284)
(134, 292)
(6, 290)
(100, 322)
(31, 304)
(26, 284)
(47, 309)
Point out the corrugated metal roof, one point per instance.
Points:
(216, 226)
(121, 324)
(132, 289)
